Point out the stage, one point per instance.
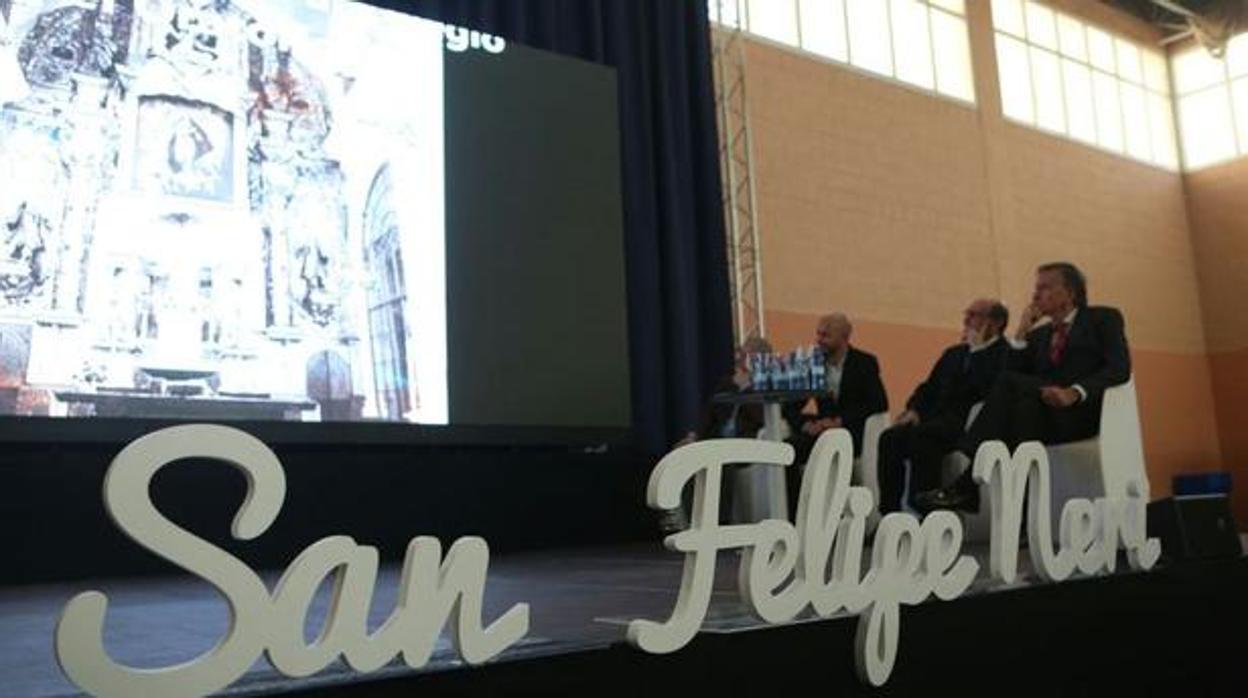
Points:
(1173, 629)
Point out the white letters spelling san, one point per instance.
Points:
(433, 592)
(784, 568)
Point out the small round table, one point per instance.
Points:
(759, 491)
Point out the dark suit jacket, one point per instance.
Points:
(959, 379)
(861, 395)
(1096, 355)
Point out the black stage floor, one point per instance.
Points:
(1162, 630)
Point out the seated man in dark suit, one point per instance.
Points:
(1058, 375)
(935, 415)
(855, 392)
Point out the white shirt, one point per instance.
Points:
(980, 347)
(832, 374)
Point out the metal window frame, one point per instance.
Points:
(1154, 158)
(743, 24)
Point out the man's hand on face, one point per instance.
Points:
(1030, 316)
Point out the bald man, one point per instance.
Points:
(855, 392)
(935, 414)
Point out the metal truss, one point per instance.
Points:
(737, 170)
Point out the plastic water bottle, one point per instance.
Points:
(818, 378)
(801, 370)
(758, 371)
(778, 376)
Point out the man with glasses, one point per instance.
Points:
(935, 415)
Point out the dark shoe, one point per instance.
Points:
(956, 496)
(672, 521)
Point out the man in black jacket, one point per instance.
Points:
(855, 392)
(935, 415)
(1059, 372)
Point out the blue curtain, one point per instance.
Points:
(680, 323)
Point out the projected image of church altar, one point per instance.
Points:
(221, 208)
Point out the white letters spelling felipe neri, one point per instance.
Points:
(432, 590)
(819, 562)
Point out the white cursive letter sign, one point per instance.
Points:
(432, 589)
(784, 569)
(819, 563)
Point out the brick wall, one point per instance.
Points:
(1218, 205)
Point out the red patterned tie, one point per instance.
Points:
(1057, 345)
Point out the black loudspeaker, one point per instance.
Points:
(1195, 527)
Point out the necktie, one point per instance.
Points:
(1057, 345)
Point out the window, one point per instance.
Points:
(387, 302)
(870, 43)
(1046, 83)
(823, 28)
(1081, 112)
(952, 51)
(1061, 75)
(922, 43)
(912, 44)
(1212, 103)
(1012, 64)
(773, 20)
(725, 12)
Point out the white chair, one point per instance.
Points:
(1108, 464)
(976, 527)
